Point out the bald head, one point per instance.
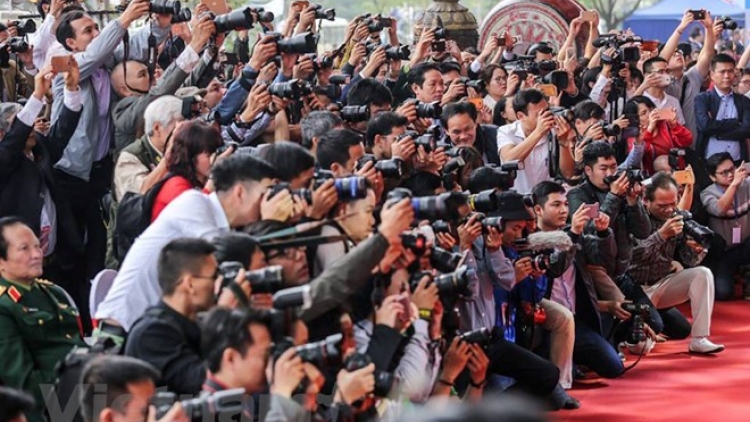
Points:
(662, 164)
(137, 79)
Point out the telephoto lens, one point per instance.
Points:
(327, 14)
(165, 7)
(444, 261)
(431, 110)
(293, 89)
(184, 16)
(355, 114)
(481, 336)
(304, 43)
(236, 20)
(322, 352)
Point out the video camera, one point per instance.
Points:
(622, 54)
(213, 406)
(264, 280)
(445, 206)
(526, 65)
(347, 188)
(540, 259)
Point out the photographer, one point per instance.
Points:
(532, 374)
(657, 79)
(426, 82)
(372, 94)
(460, 123)
(122, 377)
(528, 139)
(167, 335)
(726, 202)
(240, 182)
(652, 266)
(521, 284)
(133, 84)
(590, 127)
(659, 130)
(383, 137)
(591, 348)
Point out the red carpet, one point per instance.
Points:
(671, 385)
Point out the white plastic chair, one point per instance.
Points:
(100, 285)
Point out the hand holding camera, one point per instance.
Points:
(202, 32)
(469, 232)
(523, 268)
(277, 207)
(135, 10)
(455, 360)
(395, 219)
(352, 386)
(672, 227)
(544, 125)
(228, 296)
(425, 296)
(389, 312)
(263, 51)
(614, 307)
(175, 414)
(477, 364)
(288, 373)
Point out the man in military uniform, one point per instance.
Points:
(38, 322)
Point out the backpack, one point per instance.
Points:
(132, 217)
(68, 376)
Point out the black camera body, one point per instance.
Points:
(293, 89)
(481, 336)
(639, 311)
(321, 353)
(18, 45)
(214, 406)
(611, 130)
(304, 43)
(384, 381)
(265, 280)
(389, 169)
(326, 14)
(540, 259)
(697, 232)
(443, 260)
(449, 285)
(633, 175)
(305, 194)
(24, 28)
(728, 23)
(417, 243)
(184, 16)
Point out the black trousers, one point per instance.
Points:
(670, 322)
(85, 202)
(534, 375)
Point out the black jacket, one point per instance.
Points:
(172, 343)
(22, 180)
(486, 143)
(706, 110)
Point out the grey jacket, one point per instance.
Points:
(104, 50)
(624, 221)
(128, 112)
(336, 285)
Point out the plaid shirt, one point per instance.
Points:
(653, 256)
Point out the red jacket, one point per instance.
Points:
(666, 138)
(172, 189)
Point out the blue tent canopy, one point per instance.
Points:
(659, 21)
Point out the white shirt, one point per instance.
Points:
(536, 164)
(192, 214)
(667, 102)
(564, 289)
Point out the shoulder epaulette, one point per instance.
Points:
(2, 290)
(45, 282)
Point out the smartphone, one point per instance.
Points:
(631, 132)
(231, 58)
(747, 166)
(588, 16)
(478, 103)
(684, 177)
(698, 15)
(61, 63)
(406, 315)
(549, 90)
(217, 7)
(650, 45)
(299, 6)
(592, 210)
(666, 114)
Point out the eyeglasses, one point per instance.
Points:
(660, 71)
(727, 172)
(290, 253)
(210, 277)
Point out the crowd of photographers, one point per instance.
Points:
(286, 233)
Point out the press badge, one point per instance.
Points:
(736, 235)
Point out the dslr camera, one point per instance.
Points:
(161, 7)
(293, 89)
(640, 311)
(390, 169)
(305, 194)
(431, 110)
(697, 232)
(304, 43)
(481, 336)
(25, 28)
(213, 406)
(445, 206)
(540, 260)
(633, 175)
(347, 188)
(355, 114)
(384, 381)
(326, 14)
(449, 285)
(264, 280)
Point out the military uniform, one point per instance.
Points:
(38, 328)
